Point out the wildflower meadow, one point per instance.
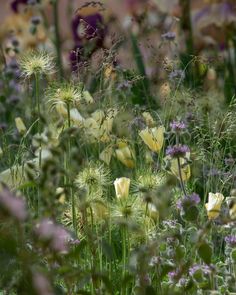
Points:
(118, 147)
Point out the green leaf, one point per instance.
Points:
(205, 252)
(233, 255)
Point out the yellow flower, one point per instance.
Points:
(99, 125)
(148, 119)
(106, 154)
(231, 202)
(153, 137)
(185, 167)
(75, 116)
(214, 204)
(125, 155)
(122, 187)
(20, 125)
(153, 212)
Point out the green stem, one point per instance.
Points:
(179, 170)
(124, 256)
(37, 100)
(72, 197)
(57, 38)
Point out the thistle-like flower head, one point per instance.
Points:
(36, 62)
(94, 178)
(64, 94)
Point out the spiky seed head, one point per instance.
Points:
(36, 62)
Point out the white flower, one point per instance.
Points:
(214, 204)
(122, 187)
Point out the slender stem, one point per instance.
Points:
(72, 197)
(37, 100)
(57, 38)
(124, 254)
(179, 169)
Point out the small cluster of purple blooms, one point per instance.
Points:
(54, 235)
(188, 201)
(231, 240)
(177, 126)
(12, 206)
(177, 151)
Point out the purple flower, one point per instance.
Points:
(202, 267)
(177, 151)
(231, 240)
(56, 236)
(12, 205)
(169, 36)
(188, 201)
(86, 28)
(16, 3)
(173, 276)
(177, 126)
(42, 285)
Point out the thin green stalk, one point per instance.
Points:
(179, 170)
(37, 101)
(124, 257)
(72, 197)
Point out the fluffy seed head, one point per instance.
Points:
(36, 62)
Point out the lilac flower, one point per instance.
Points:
(188, 201)
(57, 237)
(42, 285)
(169, 36)
(74, 242)
(177, 151)
(202, 267)
(177, 126)
(231, 240)
(12, 205)
(173, 276)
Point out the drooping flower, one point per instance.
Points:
(153, 137)
(125, 154)
(106, 155)
(20, 125)
(214, 205)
